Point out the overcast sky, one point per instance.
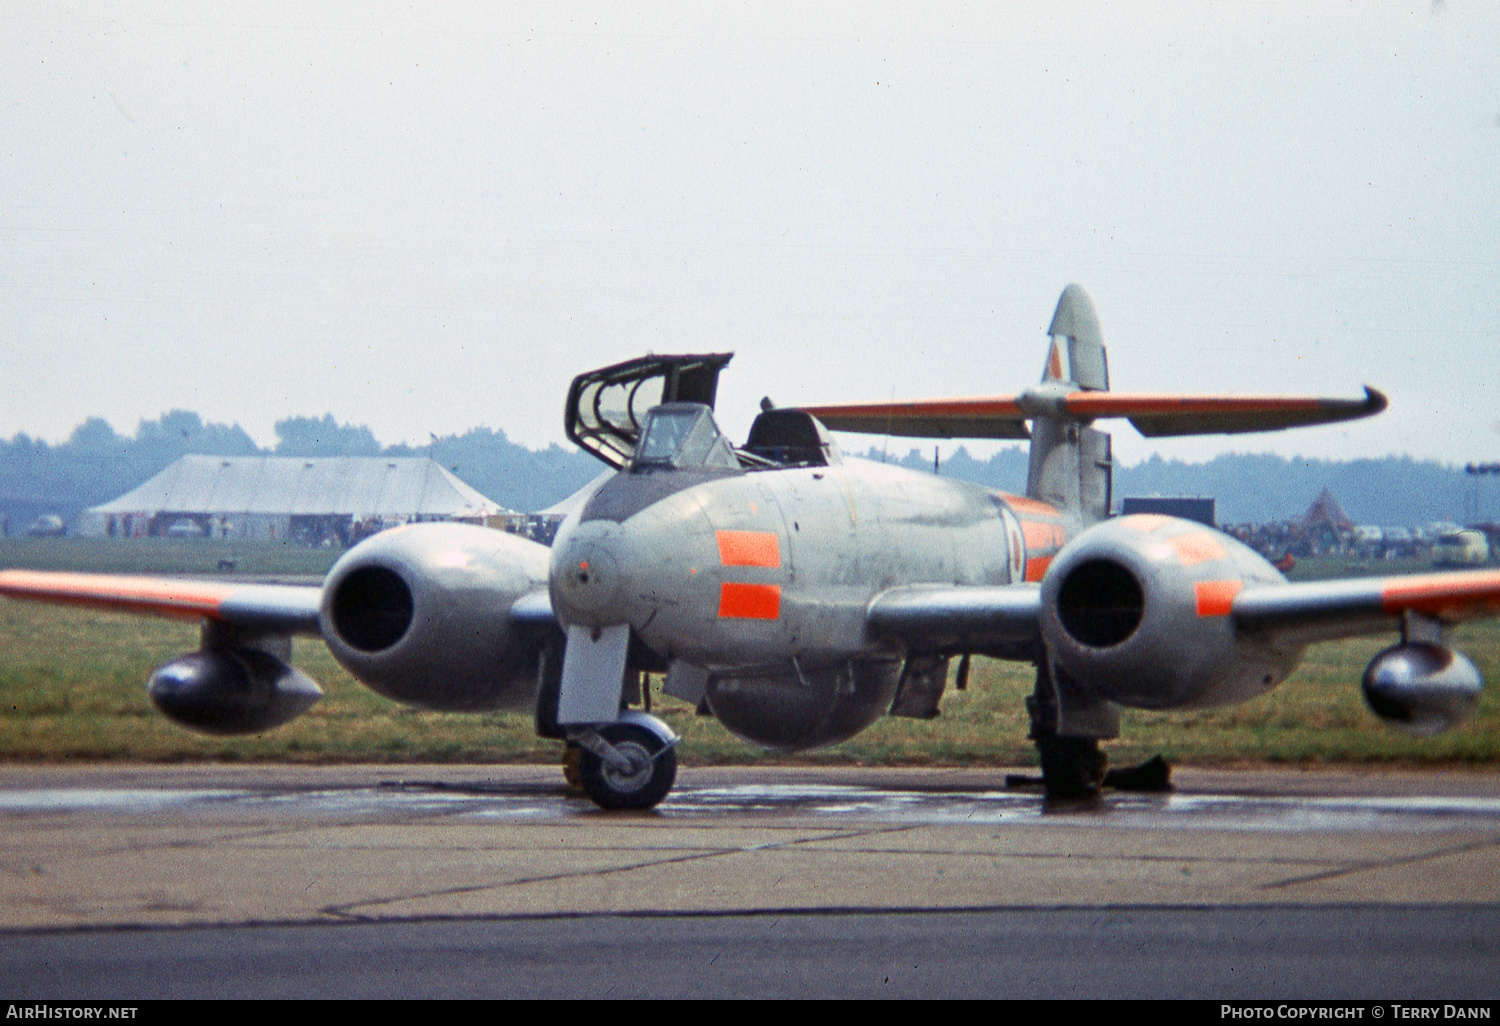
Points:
(429, 217)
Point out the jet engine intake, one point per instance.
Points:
(1421, 687)
(421, 614)
(1136, 611)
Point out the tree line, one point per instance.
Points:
(96, 464)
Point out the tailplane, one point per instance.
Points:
(1070, 461)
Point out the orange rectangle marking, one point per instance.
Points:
(749, 601)
(1021, 504)
(1036, 568)
(748, 548)
(1216, 598)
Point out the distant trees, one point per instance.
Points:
(96, 464)
(1396, 490)
(309, 436)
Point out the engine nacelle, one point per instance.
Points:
(1421, 687)
(1136, 612)
(231, 691)
(804, 708)
(421, 614)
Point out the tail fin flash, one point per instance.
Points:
(1077, 351)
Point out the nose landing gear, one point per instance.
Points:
(626, 765)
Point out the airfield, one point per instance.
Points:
(443, 881)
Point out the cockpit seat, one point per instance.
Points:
(791, 438)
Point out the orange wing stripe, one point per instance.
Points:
(1443, 595)
(749, 548)
(187, 600)
(749, 601)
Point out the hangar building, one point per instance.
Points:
(309, 501)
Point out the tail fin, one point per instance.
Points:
(1071, 463)
(1076, 355)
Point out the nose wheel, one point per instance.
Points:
(637, 774)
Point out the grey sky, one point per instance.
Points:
(428, 218)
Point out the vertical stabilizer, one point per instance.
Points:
(1070, 461)
(1077, 351)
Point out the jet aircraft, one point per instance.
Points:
(797, 594)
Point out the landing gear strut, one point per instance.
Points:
(1073, 768)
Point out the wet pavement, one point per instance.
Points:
(114, 846)
(462, 881)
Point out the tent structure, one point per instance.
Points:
(312, 500)
(1325, 511)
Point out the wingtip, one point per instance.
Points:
(1375, 401)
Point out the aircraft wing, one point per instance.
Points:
(1309, 611)
(1008, 616)
(981, 616)
(279, 608)
(1154, 416)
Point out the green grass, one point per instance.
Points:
(165, 555)
(72, 686)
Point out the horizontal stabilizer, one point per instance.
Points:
(928, 418)
(1154, 416)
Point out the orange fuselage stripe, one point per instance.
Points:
(749, 548)
(1042, 536)
(1036, 568)
(749, 601)
(1021, 504)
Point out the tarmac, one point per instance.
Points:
(109, 846)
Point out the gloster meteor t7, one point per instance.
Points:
(798, 594)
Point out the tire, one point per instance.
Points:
(642, 789)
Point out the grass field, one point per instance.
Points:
(72, 686)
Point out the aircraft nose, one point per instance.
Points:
(586, 575)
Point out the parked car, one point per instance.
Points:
(1460, 548)
(48, 525)
(185, 527)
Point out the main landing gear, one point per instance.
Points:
(1073, 768)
